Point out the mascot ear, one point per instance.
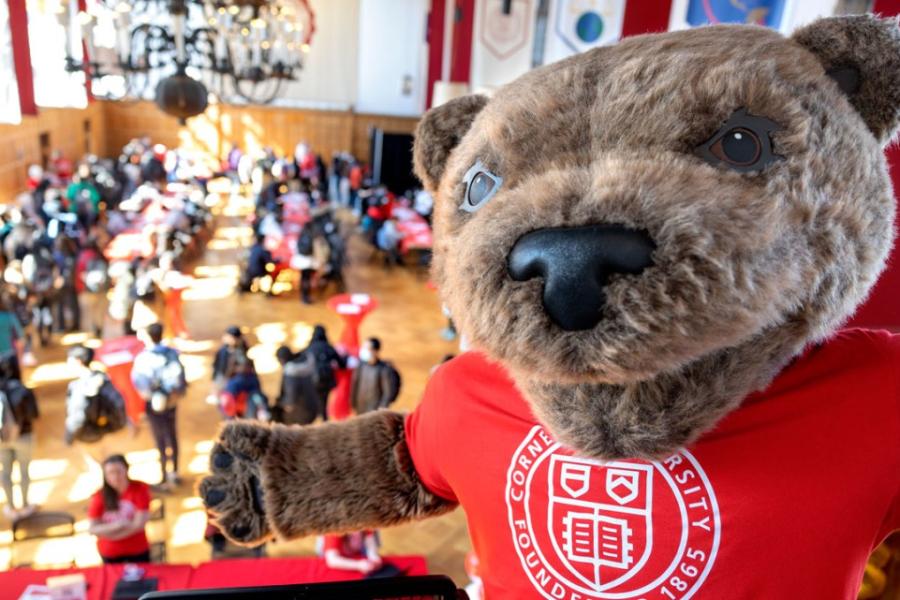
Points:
(861, 53)
(438, 133)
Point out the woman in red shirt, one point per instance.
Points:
(118, 513)
(357, 551)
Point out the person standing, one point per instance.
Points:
(18, 411)
(158, 376)
(118, 515)
(92, 283)
(68, 309)
(305, 262)
(94, 407)
(375, 383)
(327, 360)
(10, 332)
(297, 402)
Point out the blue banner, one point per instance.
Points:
(755, 12)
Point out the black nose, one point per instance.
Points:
(575, 264)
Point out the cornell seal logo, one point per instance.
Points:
(586, 530)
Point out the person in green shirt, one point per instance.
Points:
(10, 331)
(83, 196)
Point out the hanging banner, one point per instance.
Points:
(751, 12)
(578, 25)
(502, 44)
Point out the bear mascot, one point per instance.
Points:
(651, 247)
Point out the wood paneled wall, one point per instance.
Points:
(74, 131)
(252, 127)
(113, 124)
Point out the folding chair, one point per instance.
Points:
(38, 526)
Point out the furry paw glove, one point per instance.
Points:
(294, 481)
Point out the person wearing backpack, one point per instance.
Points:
(375, 383)
(94, 407)
(298, 402)
(242, 395)
(92, 283)
(68, 311)
(305, 262)
(158, 376)
(11, 332)
(327, 360)
(18, 411)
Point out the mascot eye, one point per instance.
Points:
(481, 185)
(742, 143)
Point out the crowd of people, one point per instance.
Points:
(294, 224)
(65, 271)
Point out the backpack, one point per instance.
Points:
(38, 272)
(394, 381)
(170, 379)
(104, 413)
(9, 427)
(96, 275)
(305, 243)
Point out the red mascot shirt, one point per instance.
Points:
(784, 499)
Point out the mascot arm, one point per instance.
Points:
(272, 480)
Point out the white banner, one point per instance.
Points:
(574, 26)
(502, 44)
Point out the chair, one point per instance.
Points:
(41, 525)
(157, 526)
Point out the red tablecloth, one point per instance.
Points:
(415, 230)
(117, 355)
(283, 571)
(352, 308)
(102, 580)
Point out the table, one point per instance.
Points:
(216, 574)
(352, 308)
(414, 229)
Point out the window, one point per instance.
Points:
(53, 85)
(9, 89)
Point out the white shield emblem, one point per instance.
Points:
(600, 518)
(622, 484)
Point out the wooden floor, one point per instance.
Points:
(408, 321)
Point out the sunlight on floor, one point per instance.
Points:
(233, 233)
(210, 289)
(188, 528)
(229, 271)
(144, 465)
(301, 333)
(199, 465)
(195, 367)
(46, 468)
(219, 244)
(52, 371)
(84, 487)
(271, 334)
(70, 339)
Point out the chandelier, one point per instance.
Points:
(177, 51)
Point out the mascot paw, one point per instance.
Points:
(233, 493)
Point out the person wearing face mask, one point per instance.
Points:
(118, 515)
(375, 383)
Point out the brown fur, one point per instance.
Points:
(749, 268)
(438, 133)
(344, 476)
(863, 43)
